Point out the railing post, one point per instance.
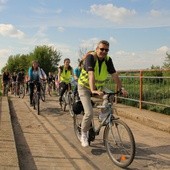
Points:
(141, 89)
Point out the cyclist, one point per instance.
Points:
(35, 74)
(20, 79)
(27, 84)
(65, 72)
(77, 72)
(13, 78)
(50, 80)
(97, 66)
(5, 80)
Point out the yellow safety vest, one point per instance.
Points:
(99, 77)
(65, 75)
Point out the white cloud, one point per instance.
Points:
(111, 12)
(61, 29)
(9, 30)
(124, 60)
(89, 44)
(162, 50)
(113, 40)
(4, 53)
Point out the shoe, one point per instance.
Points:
(84, 140)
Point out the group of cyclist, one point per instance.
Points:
(12, 81)
(89, 78)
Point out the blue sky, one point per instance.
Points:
(138, 30)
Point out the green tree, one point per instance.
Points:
(17, 62)
(47, 57)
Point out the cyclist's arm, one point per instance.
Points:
(59, 74)
(42, 74)
(119, 84)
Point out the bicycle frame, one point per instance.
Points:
(117, 137)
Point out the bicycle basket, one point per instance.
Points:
(77, 107)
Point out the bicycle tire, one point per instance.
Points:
(38, 103)
(34, 101)
(22, 91)
(77, 119)
(70, 104)
(119, 142)
(50, 89)
(42, 93)
(63, 103)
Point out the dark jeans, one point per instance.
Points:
(31, 85)
(62, 88)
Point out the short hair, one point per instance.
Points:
(103, 42)
(66, 59)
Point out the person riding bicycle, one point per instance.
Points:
(20, 79)
(97, 66)
(35, 75)
(77, 72)
(51, 80)
(5, 80)
(14, 79)
(65, 72)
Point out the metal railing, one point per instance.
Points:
(148, 89)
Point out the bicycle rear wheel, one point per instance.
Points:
(77, 119)
(22, 91)
(70, 104)
(36, 102)
(119, 143)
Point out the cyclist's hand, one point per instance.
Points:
(96, 92)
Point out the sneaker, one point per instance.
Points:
(84, 140)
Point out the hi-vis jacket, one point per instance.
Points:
(99, 77)
(65, 75)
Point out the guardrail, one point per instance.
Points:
(148, 89)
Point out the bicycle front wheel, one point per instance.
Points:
(119, 143)
(42, 93)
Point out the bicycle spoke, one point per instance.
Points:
(120, 143)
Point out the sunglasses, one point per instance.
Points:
(104, 49)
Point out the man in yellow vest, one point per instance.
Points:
(65, 72)
(97, 66)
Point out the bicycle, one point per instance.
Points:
(21, 90)
(50, 85)
(66, 100)
(5, 88)
(36, 98)
(117, 137)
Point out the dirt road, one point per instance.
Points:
(47, 141)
